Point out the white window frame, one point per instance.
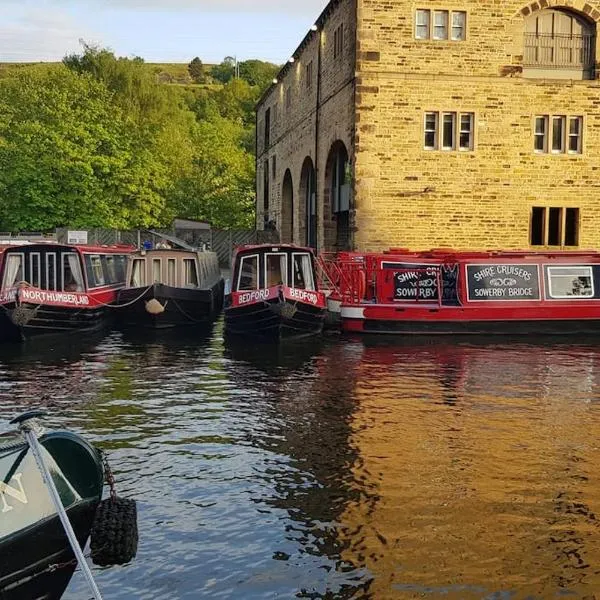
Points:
(172, 272)
(588, 272)
(282, 255)
(35, 269)
(562, 121)
(50, 285)
(239, 281)
(462, 27)
(543, 135)
(426, 23)
(442, 125)
(444, 25)
(156, 261)
(76, 273)
(470, 132)
(194, 264)
(304, 256)
(435, 130)
(576, 136)
(142, 271)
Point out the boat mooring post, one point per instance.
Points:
(27, 424)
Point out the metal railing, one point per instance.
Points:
(559, 51)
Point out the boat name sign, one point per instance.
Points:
(36, 296)
(303, 295)
(254, 296)
(503, 282)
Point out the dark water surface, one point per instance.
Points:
(339, 468)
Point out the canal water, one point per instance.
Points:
(337, 468)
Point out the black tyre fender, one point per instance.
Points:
(114, 533)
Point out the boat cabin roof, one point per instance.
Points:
(263, 248)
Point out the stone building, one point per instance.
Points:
(425, 123)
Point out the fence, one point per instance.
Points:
(220, 241)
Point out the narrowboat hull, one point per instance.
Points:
(37, 561)
(274, 320)
(182, 306)
(471, 321)
(30, 321)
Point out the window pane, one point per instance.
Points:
(156, 269)
(540, 124)
(554, 226)
(540, 134)
(302, 277)
(570, 282)
(422, 22)
(448, 131)
(466, 131)
(572, 227)
(248, 273)
(275, 269)
(440, 27)
(558, 130)
(537, 226)
(430, 130)
(575, 127)
(459, 20)
(171, 270)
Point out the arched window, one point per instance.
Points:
(559, 44)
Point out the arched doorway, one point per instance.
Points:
(308, 203)
(338, 231)
(287, 208)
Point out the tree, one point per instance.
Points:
(258, 73)
(196, 70)
(220, 188)
(68, 156)
(225, 71)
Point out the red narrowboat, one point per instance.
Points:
(274, 293)
(453, 292)
(51, 288)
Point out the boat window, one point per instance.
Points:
(72, 275)
(34, 269)
(303, 275)
(171, 272)
(111, 273)
(120, 262)
(570, 282)
(275, 269)
(138, 272)
(50, 271)
(13, 272)
(248, 278)
(190, 272)
(95, 272)
(156, 270)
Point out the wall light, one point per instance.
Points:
(291, 60)
(314, 28)
(275, 80)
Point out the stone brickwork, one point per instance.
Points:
(317, 116)
(407, 196)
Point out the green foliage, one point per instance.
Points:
(196, 70)
(220, 189)
(68, 157)
(258, 73)
(224, 72)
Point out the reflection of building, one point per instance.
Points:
(414, 124)
(492, 493)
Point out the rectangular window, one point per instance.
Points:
(575, 128)
(554, 226)
(466, 131)
(267, 128)
(422, 31)
(538, 226)
(309, 75)
(138, 272)
(570, 282)
(95, 273)
(440, 24)
(34, 268)
(448, 129)
(572, 227)
(303, 273)
(338, 41)
(110, 269)
(431, 128)
(156, 270)
(190, 273)
(459, 25)
(51, 271)
(551, 134)
(558, 134)
(13, 270)
(540, 142)
(276, 269)
(274, 166)
(171, 272)
(248, 277)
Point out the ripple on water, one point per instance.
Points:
(338, 468)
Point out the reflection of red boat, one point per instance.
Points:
(53, 288)
(274, 293)
(452, 292)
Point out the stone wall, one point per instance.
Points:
(407, 196)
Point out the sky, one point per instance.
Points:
(156, 30)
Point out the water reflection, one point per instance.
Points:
(338, 468)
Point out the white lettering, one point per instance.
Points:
(254, 296)
(16, 494)
(42, 297)
(304, 295)
(490, 292)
